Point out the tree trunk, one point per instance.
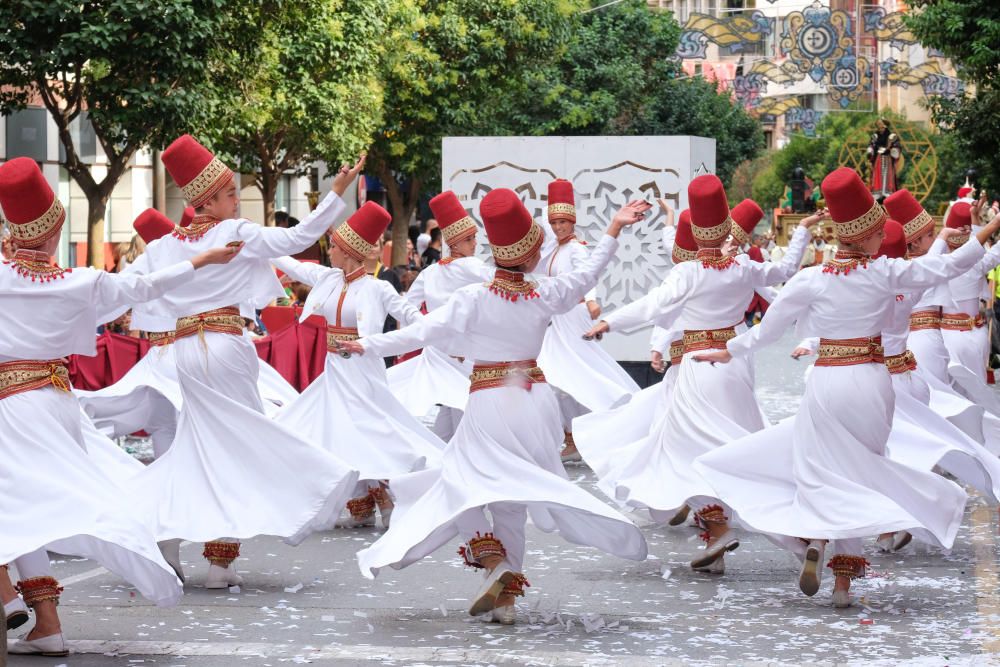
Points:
(268, 186)
(403, 206)
(96, 209)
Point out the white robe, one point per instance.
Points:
(834, 480)
(506, 447)
(349, 410)
(54, 493)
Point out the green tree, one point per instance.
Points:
(136, 66)
(450, 64)
(967, 31)
(616, 77)
(305, 87)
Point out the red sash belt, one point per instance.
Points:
(506, 373)
(850, 351)
(17, 377)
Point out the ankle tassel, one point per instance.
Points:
(708, 515)
(362, 507)
(485, 546)
(379, 495)
(221, 553)
(516, 586)
(848, 566)
(39, 589)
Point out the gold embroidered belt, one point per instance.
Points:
(901, 363)
(850, 351)
(17, 377)
(221, 320)
(961, 322)
(336, 335)
(925, 319)
(505, 374)
(676, 351)
(708, 339)
(160, 338)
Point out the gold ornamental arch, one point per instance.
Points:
(920, 163)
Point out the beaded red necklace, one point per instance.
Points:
(36, 265)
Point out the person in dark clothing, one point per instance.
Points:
(374, 267)
(433, 253)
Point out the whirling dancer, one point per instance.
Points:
(148, 397)
(834, 485)
(583, 376)
(503, 457)
(440, 375)
(229, 462)
(50, 313)
(349, 409)
(709, 405)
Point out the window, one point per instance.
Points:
(26, 134)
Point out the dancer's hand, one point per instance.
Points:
(629, 214)
(222, 255)
(594, 309)
(814, 219)
(351, 347)
(668, 211)
(714, 357)
(947, 232)
(730, 248)
(597, 331)
(346, 175)
(801, 352)
(656, 361)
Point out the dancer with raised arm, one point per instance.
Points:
(228, 463)
(49, 313)
(834, 486)
(503, 458)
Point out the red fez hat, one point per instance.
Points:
(745, 216)
(513, 235)
(29, 205)
(894, 242)
(959, 216)
(855, 213)
(710, 218)
(905, 208)
(964, 191)
(685, 247)
(187, 216)
(151, 225)
(197, 172)
(360, 232)
(455, 222)
(561, 203)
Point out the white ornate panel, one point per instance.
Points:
(606, 173)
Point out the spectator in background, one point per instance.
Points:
(128, 252)
(412, 257)
(375, 268)
(424, 239)
(432, 255)
(283, 220)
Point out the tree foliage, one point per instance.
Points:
(297, 81)
(967, 31)
(136, 67)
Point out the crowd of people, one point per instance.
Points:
(509, 368)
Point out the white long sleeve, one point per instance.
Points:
(270, 242)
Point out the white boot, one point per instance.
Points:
(16, 612)
(222, 577)
(725, 542)
(841, 599)
(812, 568)
(504, 615)
(53, 646)
(495, 582)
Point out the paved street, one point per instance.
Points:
(309, 605)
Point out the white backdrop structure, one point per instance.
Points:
(606, 172)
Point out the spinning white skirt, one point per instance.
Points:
(709, 407)
(232, 471)
(582, 368)
(428, 379)
(607, 438)
(56, 494)
(968, 349)
(829, 478)
(350, 412)
(505, 451)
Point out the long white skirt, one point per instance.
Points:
(709, 407)
(428, 379)
(350, 412)
(830, 478)
(582, 368)
(115, 462)
(927, 346)
(608, 438)
(968, 349)
(505, 451)
(55, 494)
(149, 395)
(232, 471)
(923, 439)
